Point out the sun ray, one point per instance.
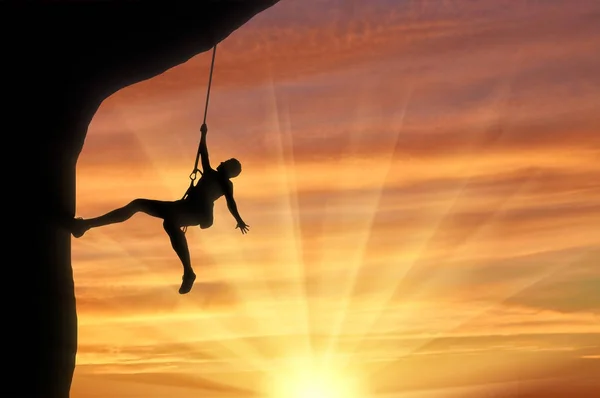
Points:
(290, 261)
(481, 228)
(337, 214)
(482, 308)
(449, 206)
(295, 268)
(122, 122)
(237, 273)
(232, 342)
(232, 267)
(388, 284)
(380, 301)
(103, 238)
(254, 297)
(358, 257)
(163, 171)
(228, 339)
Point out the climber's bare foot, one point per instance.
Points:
(78, 227)
(187, 282)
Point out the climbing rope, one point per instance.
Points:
(196, 170)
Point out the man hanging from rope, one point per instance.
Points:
(195, 208)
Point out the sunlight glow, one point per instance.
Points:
(309, 380)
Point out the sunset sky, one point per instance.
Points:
(422, 185)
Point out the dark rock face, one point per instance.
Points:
(60, 60)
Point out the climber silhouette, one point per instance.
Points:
(196, 208)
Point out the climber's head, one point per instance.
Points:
(230, 168)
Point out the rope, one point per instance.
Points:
(195, 171)
(212, 65)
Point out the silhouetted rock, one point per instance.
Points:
(60, 60)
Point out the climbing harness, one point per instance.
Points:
(196, 170)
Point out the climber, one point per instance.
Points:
(195, 208)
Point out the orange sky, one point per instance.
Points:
(422, 182)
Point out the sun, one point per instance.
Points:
(313, 386)
(313, 381)
(316, 390)
(316, 386)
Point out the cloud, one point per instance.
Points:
(565, 295)
(156, 296)
(290, 41)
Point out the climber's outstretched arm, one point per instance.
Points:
(232, 206)
(203, 148)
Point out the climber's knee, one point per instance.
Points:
(170, 227)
